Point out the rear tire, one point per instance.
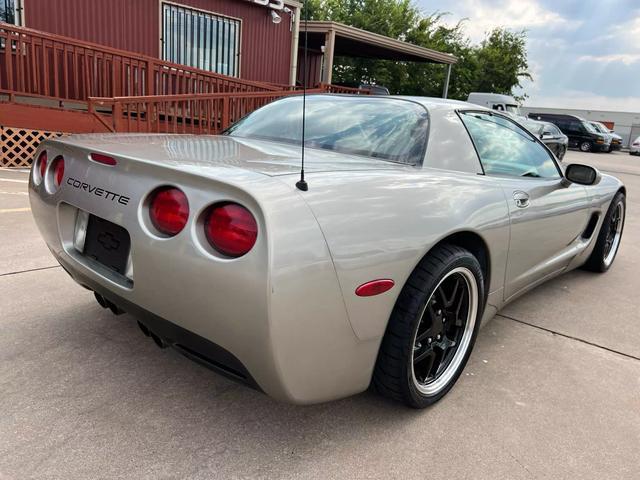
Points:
(609, 236)
(432, 328)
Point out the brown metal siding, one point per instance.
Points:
(313, 68)
(134, 25)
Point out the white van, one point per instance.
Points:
(496, 101)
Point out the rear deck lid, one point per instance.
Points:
(196, 153)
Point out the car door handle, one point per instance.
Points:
(521, 199)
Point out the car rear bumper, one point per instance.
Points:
(274, 318)
(193, 346)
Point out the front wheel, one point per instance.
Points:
(432, 328)
(561, 153)
(609, 237)
(585, 147)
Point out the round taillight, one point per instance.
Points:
(58, 170)
(231, 229)
(42, 163)
(169, 210)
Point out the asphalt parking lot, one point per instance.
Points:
(552, 389)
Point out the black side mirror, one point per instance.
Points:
(581, 174)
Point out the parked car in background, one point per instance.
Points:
(550, 135)
(372, 88)
(375, 89)
(582, 134)
(616, 140)
(495, 101)
(634, 148)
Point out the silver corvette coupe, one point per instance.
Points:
(422, 218)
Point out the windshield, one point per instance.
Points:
(383, 128)
(590, 128)
(599, 127)
(513, 109)
(533, 127)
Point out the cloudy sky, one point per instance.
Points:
(582, 53)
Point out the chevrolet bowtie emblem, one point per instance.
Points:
(108, 241)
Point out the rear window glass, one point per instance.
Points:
(383, 128)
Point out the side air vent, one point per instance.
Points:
(591, 226)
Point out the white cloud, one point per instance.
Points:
(628, 31)
(626, 58)
(585, 101)
(512, 14)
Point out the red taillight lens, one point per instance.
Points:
(231, 229)
(42, 163)
(169, 210)
(58, 171)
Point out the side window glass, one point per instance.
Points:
(505, 148)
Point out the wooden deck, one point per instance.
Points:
(55, 84)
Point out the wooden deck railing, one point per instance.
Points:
(195, 113)
(330, 88)
(34, 63)
(204, 113)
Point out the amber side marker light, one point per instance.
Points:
(374, 287)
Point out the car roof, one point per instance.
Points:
(440, 103)
(555, 115)
(430, 103)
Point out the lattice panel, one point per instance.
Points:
(18, 145)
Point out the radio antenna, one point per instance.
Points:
(302, 184)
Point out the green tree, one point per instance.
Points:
(496, 65)
(502, 62)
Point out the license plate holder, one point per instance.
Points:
(107, 243)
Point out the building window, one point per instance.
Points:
(11, 11)
(201, 40)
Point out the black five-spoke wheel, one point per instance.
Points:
(614, 233)
(441, 328)
(609, 236)
(432, 328)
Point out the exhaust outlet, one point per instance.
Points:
(101, 300)
(144, 329)
(115, 309)
(104, 303)
(158, 341)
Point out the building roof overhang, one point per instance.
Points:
(355, 42)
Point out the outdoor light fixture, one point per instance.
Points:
(275, 18)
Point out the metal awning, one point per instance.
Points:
(337, 39)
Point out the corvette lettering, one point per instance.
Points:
(99, 192)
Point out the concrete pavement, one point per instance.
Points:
(552, 389)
